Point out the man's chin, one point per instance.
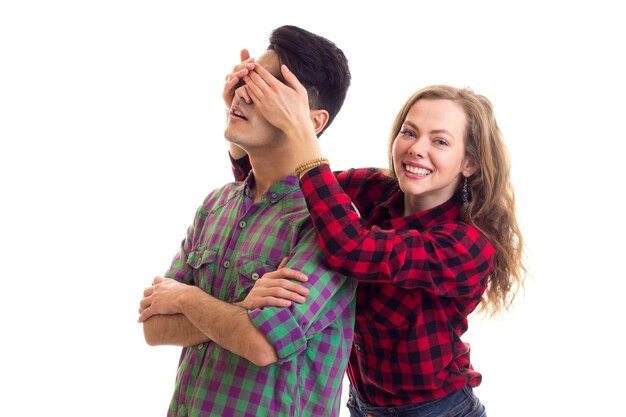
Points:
(230, 137)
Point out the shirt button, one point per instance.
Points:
(226, 264)
(200, 346)
(255, 276)
(274, 196)
(243, 224)
(357, 347)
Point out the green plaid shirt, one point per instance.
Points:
(231, 244)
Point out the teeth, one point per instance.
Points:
(418, 171)
(236, 113)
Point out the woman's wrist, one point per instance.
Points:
(304, 143)
(309, 165)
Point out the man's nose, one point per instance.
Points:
(242, 94)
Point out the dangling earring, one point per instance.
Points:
(465, 192)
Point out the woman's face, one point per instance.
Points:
(429, 153)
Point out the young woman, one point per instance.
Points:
(433, 239)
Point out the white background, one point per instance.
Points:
(111, 130)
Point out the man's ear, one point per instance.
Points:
(319, 119)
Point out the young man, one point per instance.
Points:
(239, 360)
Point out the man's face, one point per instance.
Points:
(245, 126)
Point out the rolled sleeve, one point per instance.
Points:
(330, 302)
(281, 329)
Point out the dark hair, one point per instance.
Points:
(319, 64)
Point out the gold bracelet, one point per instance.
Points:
(311, 164)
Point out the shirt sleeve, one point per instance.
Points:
(331, 301)
(450, 259)
(181, 268)
(365, 187)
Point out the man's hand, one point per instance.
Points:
(162, 298)
(276, 289)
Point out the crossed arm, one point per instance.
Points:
(174, 313)
(203, 318)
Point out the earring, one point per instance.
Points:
(465, 192)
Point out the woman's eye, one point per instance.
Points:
(441, 142)
(407, 132)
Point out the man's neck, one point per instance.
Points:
(269, 169)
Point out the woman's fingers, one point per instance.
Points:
(282, 284)
(274, 293)
(287, 273)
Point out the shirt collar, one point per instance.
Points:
(288, 185)
(448, 211)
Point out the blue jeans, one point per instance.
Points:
(462, 403)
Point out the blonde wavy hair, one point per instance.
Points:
(491, 207)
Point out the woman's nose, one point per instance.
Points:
(417, 149)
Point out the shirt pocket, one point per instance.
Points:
(250, 269)
(203, 265)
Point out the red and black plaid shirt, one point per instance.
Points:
(419, 277)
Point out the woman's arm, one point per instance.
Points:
(451, 258)
(365, 187)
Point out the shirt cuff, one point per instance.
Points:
(281, 329)
(318, 183)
